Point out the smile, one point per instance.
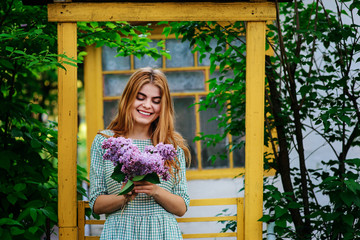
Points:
(144, 113)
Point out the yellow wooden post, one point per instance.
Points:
(93, 96)
(67, 135)
(254, 125)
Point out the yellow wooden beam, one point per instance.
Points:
(254, 126)
(161, 11)
(240, 219)
(206, 219)
(93, 96)
(197, 131)
(213, 202)
(92, 237)
(209, 235)
(67, 135)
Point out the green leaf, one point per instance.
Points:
(33, 214)
(34, 204)
(33, 229)
(167, 55)
(6, 64)
(16, 231)
(118, 175)
(265, 218)
(279, 211)
(12, 198)
(36, 108)
(35, 143)
(110, 25)
(8, 48)
(352, 185)
(138, 178)
(70, 63)
(9, 221)
(19, 187)
(50, 213)
(348, 219)
(127, 188)
(166, 31)
(347, 197)
(153, 178)
(281, 223)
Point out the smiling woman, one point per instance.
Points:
(146, 107)
(145, 115)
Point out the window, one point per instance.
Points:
(187, 79)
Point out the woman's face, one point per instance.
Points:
(147, 105)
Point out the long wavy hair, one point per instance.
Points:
(162, 129)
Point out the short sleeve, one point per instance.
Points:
(97, 175)
(180, 187)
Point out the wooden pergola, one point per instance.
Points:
(255, 12)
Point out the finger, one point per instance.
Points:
(142, 187)
(142, 183)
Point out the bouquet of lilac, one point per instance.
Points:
(132, 165)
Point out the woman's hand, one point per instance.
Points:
(169, 201)
(146, 187)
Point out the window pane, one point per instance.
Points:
(210, 127)
(115, 84)
(239, 157)
(186, 81)
(185, 123)
(111, 63)
(240, 44)
(221, 78)
(180, 52)
(146, 60)
(110, 111)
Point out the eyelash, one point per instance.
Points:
(140, 98)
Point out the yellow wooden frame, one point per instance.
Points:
(162, 11)
(239, 218)
(255, 12)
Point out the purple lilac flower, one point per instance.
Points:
(167, 151)
(119, 150)
(122, 151)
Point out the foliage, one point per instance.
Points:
(223, 45)
(28, 140)
(315, 60)
(312, 89)
(126, 38)
(28, 176)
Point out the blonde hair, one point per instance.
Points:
(162, 129)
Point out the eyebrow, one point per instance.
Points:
(142, 94)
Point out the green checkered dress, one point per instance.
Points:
(143, 218)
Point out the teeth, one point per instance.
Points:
(145, 113)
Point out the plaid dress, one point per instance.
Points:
(143, 218)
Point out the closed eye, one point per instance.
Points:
(141, 96)
(156, 100)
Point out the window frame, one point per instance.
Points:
(198, 173)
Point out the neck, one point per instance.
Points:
(139, 132)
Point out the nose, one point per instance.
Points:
(146, 104)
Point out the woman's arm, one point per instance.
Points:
(111, 203)
(170, 202)
(99, 199)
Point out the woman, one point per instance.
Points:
(146, 116)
